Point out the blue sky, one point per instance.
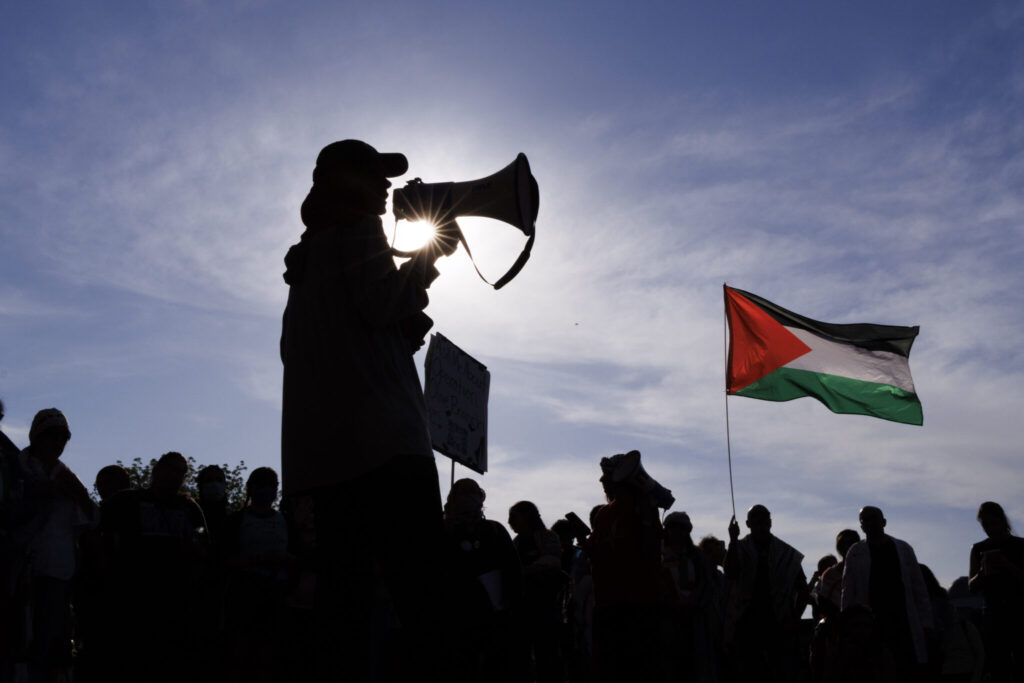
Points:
(854, 162)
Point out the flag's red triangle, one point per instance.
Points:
(758, 344)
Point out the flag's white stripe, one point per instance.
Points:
(829, 357)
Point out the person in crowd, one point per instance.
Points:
(963, 646)
(61, 510)
(211, 615)
(572, 532)
(689, 654)
(941, 614)
(968, 604)
(625, 556)
(997, 573)
(354, 431)
(862, 655)
(256, 542)
(485, 584)
(10, 550)
(212, 487)
(566, 643)
(539, 616)
(160, 538)
(111, 480)
(883, 574)
(829, 591)
(813, 585)
(769, 593)
(583, 603)
(714, 550)
(298, 644)
(90, 590)
(827, 595)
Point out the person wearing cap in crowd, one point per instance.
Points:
(354, 430)
(625, 557)
(769, 593)
(58, 510)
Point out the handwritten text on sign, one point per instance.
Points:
(456, 391)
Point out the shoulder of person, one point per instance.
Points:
(496, 529)
(1015, 542)
(856, 550)
(903, 546)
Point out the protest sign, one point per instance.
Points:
(456, 392)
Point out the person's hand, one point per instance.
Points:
(446, 238)
(734, 530)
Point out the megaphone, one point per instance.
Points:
(511, 196)
(626, 469)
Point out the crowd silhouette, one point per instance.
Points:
(151, 585)
(361, 574)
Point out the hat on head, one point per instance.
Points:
(358, 154)
(625, 469)
(46, 420)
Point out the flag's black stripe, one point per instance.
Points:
(893, 338)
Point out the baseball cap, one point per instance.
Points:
(355, 154)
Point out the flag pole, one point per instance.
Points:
(725, 353)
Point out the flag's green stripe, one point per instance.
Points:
(840, 394)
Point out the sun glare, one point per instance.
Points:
(410, 236)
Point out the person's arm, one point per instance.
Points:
(732, 555)
(382, 293)
(976, 577)
(69, 485)
(851, 593)
(801, 594)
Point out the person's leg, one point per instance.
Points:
(51, 628)
(408, 533)
(344, 592)
(545, 644)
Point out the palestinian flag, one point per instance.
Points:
(777, 355)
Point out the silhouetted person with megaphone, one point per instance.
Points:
(354, 429)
